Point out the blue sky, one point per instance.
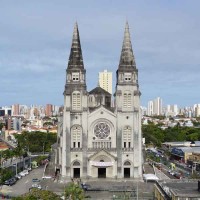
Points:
(35, 41)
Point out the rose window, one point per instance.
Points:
(102, 130)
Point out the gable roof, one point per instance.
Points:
(99, 90)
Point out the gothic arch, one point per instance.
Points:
(76, 163)
(127, 163)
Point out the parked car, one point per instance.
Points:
(22, 174)
(10, 181)
(29, 168)
(85, 186)
(178, 175)
(46, 177)
(35, 180)
(35, 185)
(171, 172)
(25, 172)
(18, 176)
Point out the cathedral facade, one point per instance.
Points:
(95, 139)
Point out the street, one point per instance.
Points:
(22, 186)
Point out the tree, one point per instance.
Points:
(36, 194)
(42, 141)
(74, 192)
(5, 174)
(1, 125)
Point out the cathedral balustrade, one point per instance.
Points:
(96, 149)
(102, 144)
(76, 149)
(127, 149)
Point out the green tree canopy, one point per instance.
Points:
(74, 192)
(36, 194)
(42, 141)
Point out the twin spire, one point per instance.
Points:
(76, 58)
(127, 60)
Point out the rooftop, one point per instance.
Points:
(181, 188)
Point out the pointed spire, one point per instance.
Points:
(127, 59)
(76, 58)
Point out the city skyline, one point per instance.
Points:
(36, 37)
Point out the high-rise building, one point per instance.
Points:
(99, 141)
(105, 80)
(5, 111)
(15, 109)
(155, 107)
(150, 108)
(49, 110)
(197, 110)
(172, 110)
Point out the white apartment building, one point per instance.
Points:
(105, 80)
(197, 110)
(172, 110)
(155, 107)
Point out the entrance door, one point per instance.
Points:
(76, 172)
(101, 172)
(126, 172)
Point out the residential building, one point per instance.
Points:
(172, 110)
(105, 80)
(155, 107)
(197, 110)
(5, 111)
(15, 110)
(49, 110)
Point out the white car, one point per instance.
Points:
(35, 185)
(46, 177)
(172, 172)
(22, 174)
(25, 172)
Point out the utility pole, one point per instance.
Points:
(15, 165)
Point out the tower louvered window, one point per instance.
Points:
(127, 100)
(76, 133)
(75, 76)
(76, 101)
(127, 137)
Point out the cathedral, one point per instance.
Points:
(96, 139)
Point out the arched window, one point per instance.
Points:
(127, 99)
(127, 137)
(76, 101)
(76, 137)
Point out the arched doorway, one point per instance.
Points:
(76, 169)
(127, 169)
(102, 171)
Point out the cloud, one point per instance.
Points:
(36, 36)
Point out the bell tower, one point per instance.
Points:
(127, 97)
(74, 138)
